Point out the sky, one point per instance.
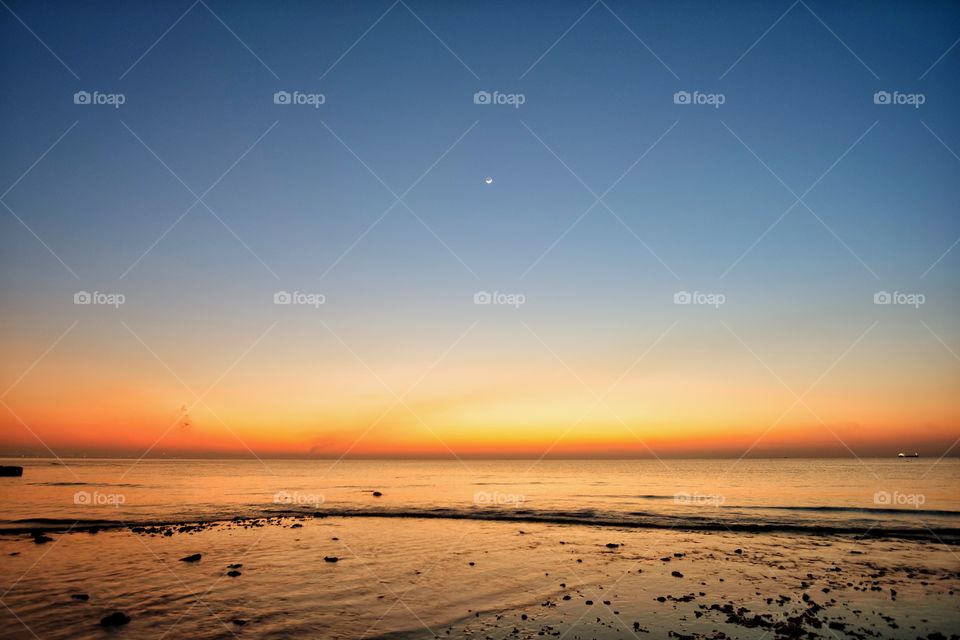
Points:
(503, 229)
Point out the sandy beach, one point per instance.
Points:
(342, 577)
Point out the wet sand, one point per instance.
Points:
(416, 578)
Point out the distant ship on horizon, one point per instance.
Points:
(908, 455)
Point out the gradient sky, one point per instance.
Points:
(399, 360)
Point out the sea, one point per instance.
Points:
(896, 496)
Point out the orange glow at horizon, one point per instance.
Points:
(76, 402)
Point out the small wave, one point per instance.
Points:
(58, 524)
(838, 509)
(59, 484)
(85, 484)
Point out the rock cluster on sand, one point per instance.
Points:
(192, 558)
(11, 472)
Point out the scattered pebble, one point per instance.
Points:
(115, 619)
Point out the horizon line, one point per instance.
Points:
(476, 458)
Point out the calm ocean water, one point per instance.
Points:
(826, 494)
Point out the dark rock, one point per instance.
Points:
(377, 494)
(613, 545)
(676, 574)
(80, 596)
(233, 573)
(192, 558)
(11, 472)
(239, 622)
(40, 538)
(235, 565)
(331, 559)
(115, 619)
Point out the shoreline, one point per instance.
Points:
(948, 536)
